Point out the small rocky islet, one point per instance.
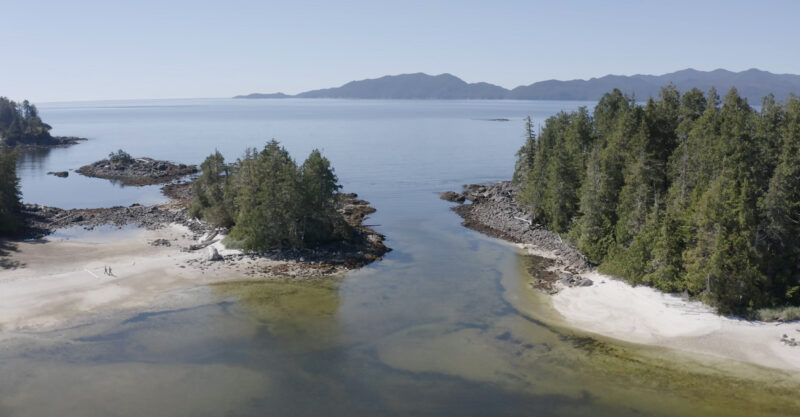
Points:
(137, 171)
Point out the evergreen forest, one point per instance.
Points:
(20, 124)
(269, 202)
(686, 193)
(9, 192)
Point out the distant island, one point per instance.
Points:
(21, 126)
(752, 84)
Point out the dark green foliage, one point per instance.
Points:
(9, 192)
(20, 124)
(551, 170)
(320, 222)
(684, 193)
(120, 157)
(213, 192)
(270, 202)
(268, 199)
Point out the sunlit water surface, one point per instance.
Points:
(446, 324)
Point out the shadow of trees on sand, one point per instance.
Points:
(6, 247)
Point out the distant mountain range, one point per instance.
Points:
(753, 84)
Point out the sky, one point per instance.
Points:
(101, 50)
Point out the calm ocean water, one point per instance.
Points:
(446, 324)
(379, 148)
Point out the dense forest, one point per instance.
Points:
(21, 124)
(9, 192)
(269, 201)
(684, 193)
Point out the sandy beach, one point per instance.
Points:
(57, 280)
(52, 280)
(643, 315)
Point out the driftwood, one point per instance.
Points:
(205, 243)
(530, 222)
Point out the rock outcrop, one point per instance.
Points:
(137, 171)
(495, 212)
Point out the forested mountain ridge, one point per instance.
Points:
(411, 86)
(684, 193)
(752, 84)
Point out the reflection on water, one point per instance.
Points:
(32, 162)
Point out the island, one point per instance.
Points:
(293, 223)
(121, 166)
(752, 84)
(21, 127)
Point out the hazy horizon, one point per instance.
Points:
(90, 50)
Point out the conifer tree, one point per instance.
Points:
(9, 192)
(685, 193)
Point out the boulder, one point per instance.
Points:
(213, 254)
(452, 197)
(574, 280)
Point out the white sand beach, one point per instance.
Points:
(643, 315)
(56, 280)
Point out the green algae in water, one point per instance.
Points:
(654, 380)
(300, 310)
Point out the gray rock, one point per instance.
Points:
(213, 254)
(452, 197)
(574, 280)
(499, 216)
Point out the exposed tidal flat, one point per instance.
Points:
(446, 324)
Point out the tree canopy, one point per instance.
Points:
(20, 124)
(9, 192)
(684, 192)
(269, 201)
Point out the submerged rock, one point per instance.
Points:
(60, 174)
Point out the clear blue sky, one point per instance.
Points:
(85, 50)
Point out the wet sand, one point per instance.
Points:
(50, 281)
(613, 308)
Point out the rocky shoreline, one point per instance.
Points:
(493, 210)
(366, 247)
(51, 142)
(137, 171)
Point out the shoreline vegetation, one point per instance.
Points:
(22, 128)
(46, 281)
(687, 193)
(609, 306)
